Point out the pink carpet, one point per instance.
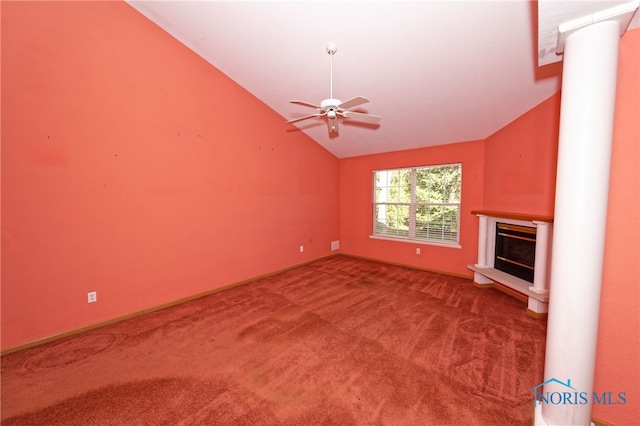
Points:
(339, 341)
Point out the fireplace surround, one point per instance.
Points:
(524, 272)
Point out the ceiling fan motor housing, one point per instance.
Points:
(330, 103)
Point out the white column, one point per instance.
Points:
(586, 127)
(540, 266)
(482, 241)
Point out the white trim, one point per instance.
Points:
(485, 272)
(515, 283)
(491, 235)
(421, 242)
(430, 166)
(412, 205)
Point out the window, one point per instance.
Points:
(418, 204)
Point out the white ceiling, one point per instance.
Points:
(437, 72)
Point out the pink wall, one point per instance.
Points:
(513, 171)
(523, 156)
(356, 214)
(127, 170)
(520, 162)
(618, 352)
(518, 168)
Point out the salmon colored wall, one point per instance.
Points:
(519, 169)
(125, 170)
(356, 209)
(618, 352)
(513, 171)
(132, 167)
(520, 162)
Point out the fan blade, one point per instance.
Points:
(307, 104)
(358, 100)
(303, 118)
(358, 116)
(332, 123)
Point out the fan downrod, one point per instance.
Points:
(333, 108)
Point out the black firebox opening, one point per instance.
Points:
(516, 250)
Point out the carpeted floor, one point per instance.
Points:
(339, 341)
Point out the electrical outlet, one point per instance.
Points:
(418, 250)
(335, 245)
(92, 297)
(301, 249)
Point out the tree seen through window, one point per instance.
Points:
(420, 203)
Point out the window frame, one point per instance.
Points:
(413, 204)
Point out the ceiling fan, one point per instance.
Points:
(334, 108)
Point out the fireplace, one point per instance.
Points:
(513, 255)
(515, 250)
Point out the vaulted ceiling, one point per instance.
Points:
(437, 72)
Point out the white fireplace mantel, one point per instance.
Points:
(485, 274)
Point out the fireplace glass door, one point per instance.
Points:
(515, 250)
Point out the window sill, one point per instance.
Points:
(421, 242)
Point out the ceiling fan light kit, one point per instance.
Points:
(333, 108)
